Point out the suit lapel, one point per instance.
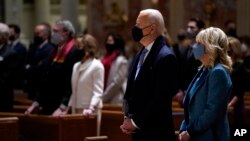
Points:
(149, 61)
(190, 86)
(158, 44)
(199, 83)
(134, 67)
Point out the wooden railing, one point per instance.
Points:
(9, 129)
(48, 128)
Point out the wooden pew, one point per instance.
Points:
(107, 107)
(76, 127)
(112, 107)
(20, 108)
(110, 126)
(247, 102)
(247, 114)
(176, 104)
(22, 99)
(48, 128)
(111, 121)
(96, 138)
(9, 129)
(177, 119)
(177, 109)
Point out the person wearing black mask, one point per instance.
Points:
(230, 30)
(87, 80)
(8, 67)
(55, 89)
(38, 53)
(187, 64)
(116, 68)
(20, 48)
(152, 82)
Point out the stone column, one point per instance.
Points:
(95, 13)
(69, 12)
(176, 18)
(13, 11)
(2, 11)
(243, 17)
(42, 11)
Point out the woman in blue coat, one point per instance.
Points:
(205, 103)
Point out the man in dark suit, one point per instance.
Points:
(187, 64)
(151, 83)
(55, 87)
(21, 50)
(38, 53)
(8, 67)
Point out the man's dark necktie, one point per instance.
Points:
(144, 51)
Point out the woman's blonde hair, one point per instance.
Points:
(216, 46)
(89, 44)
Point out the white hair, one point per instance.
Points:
(67, 26)
(155, 16)
(4, 30)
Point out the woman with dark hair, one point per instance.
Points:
(116, 67)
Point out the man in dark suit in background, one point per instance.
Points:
(187, 64)
(21, 50)
(8, 67)
(55, 87)
(151, 84)
(38, 54)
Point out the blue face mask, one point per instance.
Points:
(198, 51)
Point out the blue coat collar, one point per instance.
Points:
(202, 78)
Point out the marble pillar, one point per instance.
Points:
(2, 11)
(176, 19)
(13, 11)
(69, 12)
(243, 17)
(42, 11)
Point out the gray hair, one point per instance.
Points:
(155, 16)
(67, 26)
(4, 30)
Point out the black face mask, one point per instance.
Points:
(181, 37)
(80, 53)
(232, 32)
(11, 37)
(137, 33)
(110, 47)
(38, 40)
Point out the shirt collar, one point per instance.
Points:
(1, 46)
(149, 46)
(15, 42)
(45, 42)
